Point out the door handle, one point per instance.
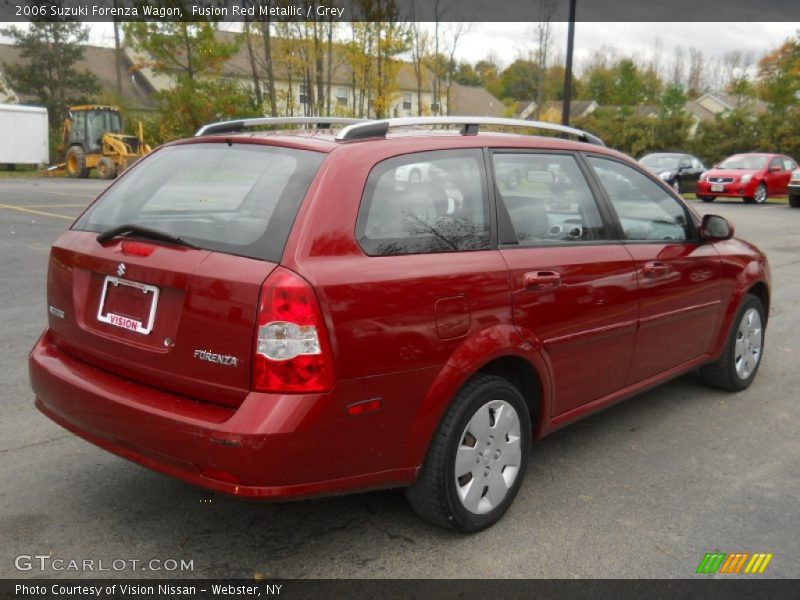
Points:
(541, 280)
(656, 269)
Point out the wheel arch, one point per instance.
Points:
(523, 376)
(760, 290)
(498, 350)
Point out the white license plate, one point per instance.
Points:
(143, 325)
(717, 187)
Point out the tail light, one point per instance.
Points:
(292, 352)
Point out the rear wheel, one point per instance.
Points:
(738, 365)
(707, 198)
(76, 163)
(106, 168)
(794, 201)
(477, 458)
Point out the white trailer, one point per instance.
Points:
(24, 135)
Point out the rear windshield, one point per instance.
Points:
(239, 199)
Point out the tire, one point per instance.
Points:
(106, 168)
(760, 196)
(467, 430)
(733, 371)
(707, 198)
(76, 163)
(794, 201)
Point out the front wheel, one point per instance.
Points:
(106, 168)
(738, 365)
(707, 198)
(760, 197)
(477, 458)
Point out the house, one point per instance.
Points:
(474, 101)
(137, 92)
(707, 107)
(552, 110)
(293, 97)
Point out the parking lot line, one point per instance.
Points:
(80, 204)
(36, 212)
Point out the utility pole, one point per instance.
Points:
(568, 71)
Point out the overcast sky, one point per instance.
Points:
(638, 39)
(511, 40)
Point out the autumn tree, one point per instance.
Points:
(779, 75)
(192, 56)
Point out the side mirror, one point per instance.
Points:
(714, 228)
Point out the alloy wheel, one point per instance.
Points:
(748, 343)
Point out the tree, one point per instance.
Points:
(520, 80)
(779, 75)
(544, 35)
(50, 53)
(193, 57)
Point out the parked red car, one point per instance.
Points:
(278, 314)
(753, 177)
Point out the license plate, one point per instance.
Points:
(717, 187)
(128, 304)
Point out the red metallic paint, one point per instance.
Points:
(390, 340)
(776, 181)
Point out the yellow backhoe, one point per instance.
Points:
(92, 138)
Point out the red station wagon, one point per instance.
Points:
(278, 314)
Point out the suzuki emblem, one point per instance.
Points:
(120, 269)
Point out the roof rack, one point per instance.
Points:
(469, 126)
(240, 124)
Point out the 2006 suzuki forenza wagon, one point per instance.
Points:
(279, 314)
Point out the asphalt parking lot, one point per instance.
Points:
(643, 489)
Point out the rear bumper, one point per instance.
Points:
(272, 446)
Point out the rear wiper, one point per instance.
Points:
(139, 231)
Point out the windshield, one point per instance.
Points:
(744, 162)
(239, 199)
(661, 161)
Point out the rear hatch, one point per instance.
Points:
(171, 300)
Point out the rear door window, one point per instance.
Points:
(425, 202)
(240, 199)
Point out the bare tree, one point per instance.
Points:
(420, 48)
(695, 80)
(454, 35)
(678, 66)
(254, 66)
(544, 40)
